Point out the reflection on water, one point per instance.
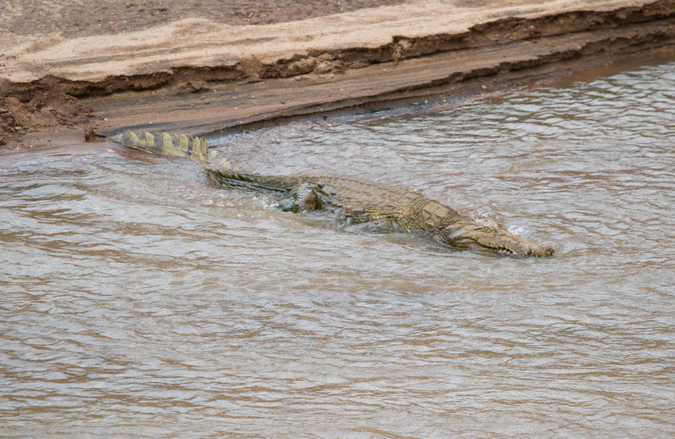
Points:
(138, 299)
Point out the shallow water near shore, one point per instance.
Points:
(141, 300)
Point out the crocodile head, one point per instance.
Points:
(494, 237)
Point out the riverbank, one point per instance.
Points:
(151, 65)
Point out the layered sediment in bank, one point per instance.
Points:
(198, 75)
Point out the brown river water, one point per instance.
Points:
(141, 300)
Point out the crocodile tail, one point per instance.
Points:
(183, 146)
(174, 145)
(217, 163)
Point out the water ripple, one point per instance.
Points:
(140, 300)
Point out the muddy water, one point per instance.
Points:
(140, 300)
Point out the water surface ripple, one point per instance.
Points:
(140, 300)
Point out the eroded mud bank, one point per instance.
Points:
(281, 82)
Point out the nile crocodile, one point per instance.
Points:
(360, 201)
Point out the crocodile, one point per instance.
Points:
(360, 201)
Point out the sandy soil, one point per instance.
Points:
(212, 64)
(44, 106)
(77, 18)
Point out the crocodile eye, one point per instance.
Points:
(488, 229)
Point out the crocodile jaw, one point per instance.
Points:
(494, 237)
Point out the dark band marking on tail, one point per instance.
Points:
(180, 145)
(174, 145)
